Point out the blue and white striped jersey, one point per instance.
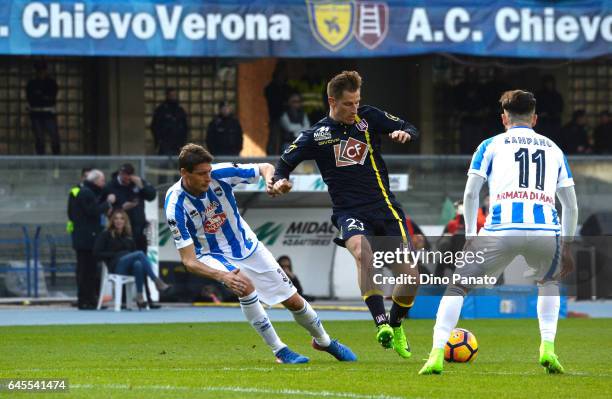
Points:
(524, 170)
(212, 221)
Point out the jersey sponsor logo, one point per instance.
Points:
(372, 23)
(322, 133)
(210, 210)
(526, 195)
(331, 22)
(214, 223)
(362, 126)
(350, 152)
(392, 117)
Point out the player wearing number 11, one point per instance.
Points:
(524, 170)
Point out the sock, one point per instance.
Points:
(258, 318)
(446, 319)
(308, 318)
(377, 309)
(397, 314)
(548, 311)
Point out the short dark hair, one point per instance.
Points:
(191, 155)
(345, 81)
(518, 102)
(127, 168)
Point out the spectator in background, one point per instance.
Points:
(549, 109)
(224, 133)
(603, 134)
(574, 136)
(293, 121)
(87, 216)
(116, 247)
(74, 192)
(285, 263)
(170, 127)
(131, 192)
(312, 86)
(276, 93)
(470, 105)
(41, 93)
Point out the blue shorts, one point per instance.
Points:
(377, 222)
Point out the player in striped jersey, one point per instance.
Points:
(214, 241)
(524, 170)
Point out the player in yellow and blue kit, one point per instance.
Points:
(346, 146)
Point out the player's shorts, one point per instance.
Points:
(272, 284)
(376, 222)
(541, 250)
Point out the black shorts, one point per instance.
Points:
(377, 222)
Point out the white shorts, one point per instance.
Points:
(540, 248)
(271, 283)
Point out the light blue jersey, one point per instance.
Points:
(212, 222)
(524, 170)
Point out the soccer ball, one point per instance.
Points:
(461, 347)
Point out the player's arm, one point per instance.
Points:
(300, 150)
(397, 129)
(233, 280)
(471, 198)
(569, 221)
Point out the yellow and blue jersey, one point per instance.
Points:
(349, 158)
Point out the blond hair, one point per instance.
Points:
(127, 229)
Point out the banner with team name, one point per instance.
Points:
(306, 28)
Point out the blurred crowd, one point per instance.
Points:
(295, 104)
(477, 110)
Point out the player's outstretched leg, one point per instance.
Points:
(259, 320)
(306, 317)
(446, 320)
(396, 316)
(548, 315)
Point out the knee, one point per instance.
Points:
(354, 246)
(294, 302)
(137, 265)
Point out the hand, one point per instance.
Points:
(137, 181)
(130, 204)
(236, 282)
(567, 260)
(400, 136)
(110, 198)
(280, 187)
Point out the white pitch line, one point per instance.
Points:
(282, 392)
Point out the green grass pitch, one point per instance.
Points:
(228, 360)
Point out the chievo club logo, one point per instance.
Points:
(350, 152)
(334, 23)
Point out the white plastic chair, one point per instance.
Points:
(118, 281)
